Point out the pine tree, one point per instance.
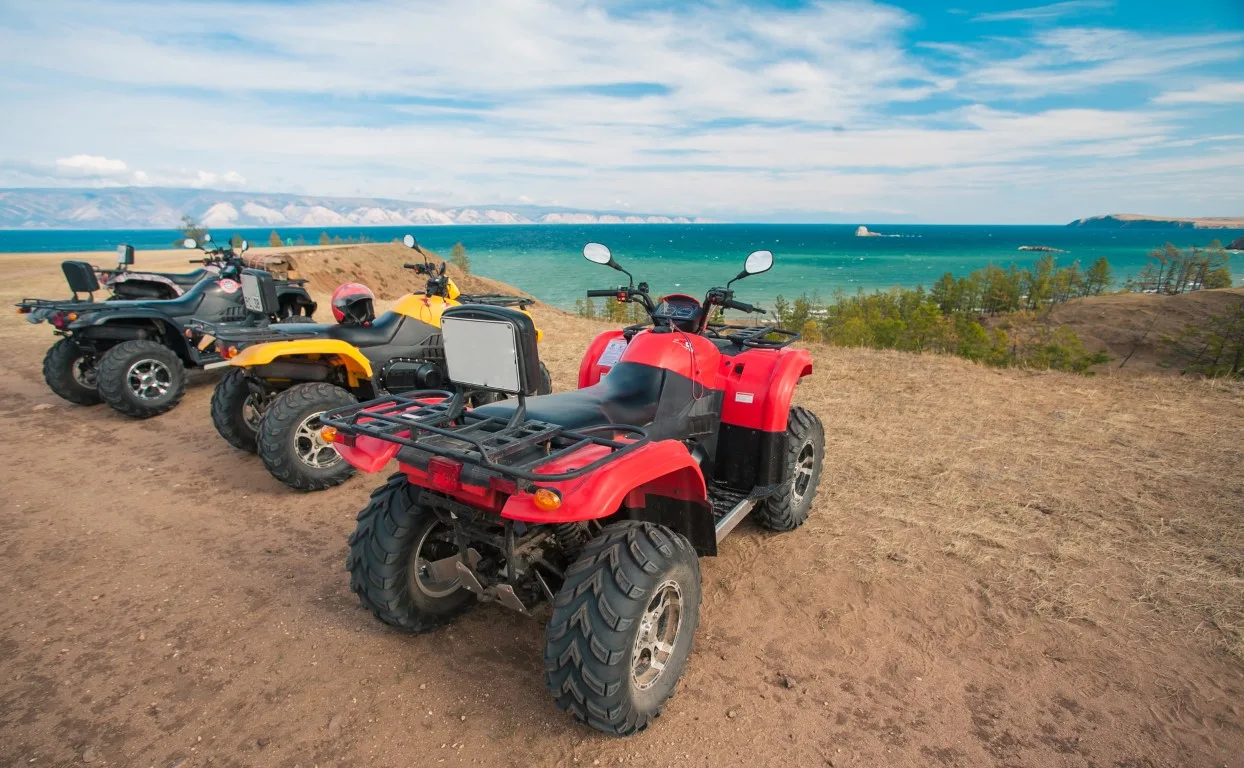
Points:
(325, 239)
(274, 240)
(458, 257)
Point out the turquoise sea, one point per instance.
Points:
(546, 260)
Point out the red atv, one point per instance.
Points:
(597, 501)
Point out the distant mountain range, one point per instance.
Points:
(162, 208)
(1137, 221)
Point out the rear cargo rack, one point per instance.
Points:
(437, 423)
(26, 306)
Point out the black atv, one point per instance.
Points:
(133, 354)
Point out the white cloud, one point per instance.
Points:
(827, 105)
(91, 166)
(1210, 93)
(1047, 12)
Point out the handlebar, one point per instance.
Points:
(742, 307)
(604, 293)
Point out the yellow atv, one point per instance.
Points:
(285, 375)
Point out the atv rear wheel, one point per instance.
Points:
(393, 543)
(289, 439)
(237, 410)
(141, 378)
(71, 373)
(623, 625)
(789, 506)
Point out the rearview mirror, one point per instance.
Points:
(207, 238)
(189, 242)
(597, 254)
(409, 241)
(444, 266)
(758, 261)
(245, 246)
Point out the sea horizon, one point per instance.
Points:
(815, 259)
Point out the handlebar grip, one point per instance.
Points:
(610, 292)
(198, 261)
(410, 266)
(732, 304)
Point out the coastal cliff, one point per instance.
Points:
(1137, 221)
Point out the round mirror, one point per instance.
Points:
(245, 246)
(409, 241)
(444, 266)
(189, 243)
(758, 261)
(207, 238)
(597, 253)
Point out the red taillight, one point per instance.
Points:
(502, 485)
(58, 320)
(444, 474)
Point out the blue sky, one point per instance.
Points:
(966, 112)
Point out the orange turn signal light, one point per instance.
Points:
(547, 499)
(328, 434)
(73, 316)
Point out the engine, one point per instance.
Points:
(404, 375)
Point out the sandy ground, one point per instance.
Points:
(1002, 568)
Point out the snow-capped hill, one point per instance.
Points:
(220, 215)
(163, 208)
(263, 213)
(377, 217)
(428, 216)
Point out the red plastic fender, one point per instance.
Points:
(759, 396)
(664, 468)
(590, 369)
(367, 454)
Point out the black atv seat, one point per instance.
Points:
(184, 278)
(380, 332)
(184, 305)
(628, 395)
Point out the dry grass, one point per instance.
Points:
(1107, 501)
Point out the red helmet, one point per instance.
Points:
(352, 304)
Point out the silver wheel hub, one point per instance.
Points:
(434, 556)
(802, 477)
(657, 635)
(312, 449)
(84, 373)
(149, 379)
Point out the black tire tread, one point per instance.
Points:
(379, 552)
(228, 400)
(587, 640)
(111, 377)
(281, 417)
(779, 512)
(59, 377)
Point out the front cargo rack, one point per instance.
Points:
(496, 300)
(436, 423)
(250, 332)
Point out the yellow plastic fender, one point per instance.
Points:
(357, 367)
(427, 309)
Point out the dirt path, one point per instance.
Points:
(1001, 569)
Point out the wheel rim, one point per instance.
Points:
(149, 379)
(312, 449)
(657, 635)
(83, 371)
(428, 549)
(804, 466)
(253, 408)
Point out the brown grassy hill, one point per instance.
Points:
(376, 265)
(1138, 322)
(1002, 567)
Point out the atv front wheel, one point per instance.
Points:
(622, 627)
(71, 373)
(789, 506)
(141, 378)
(237, 410)
(289, 439)
(394, 544)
